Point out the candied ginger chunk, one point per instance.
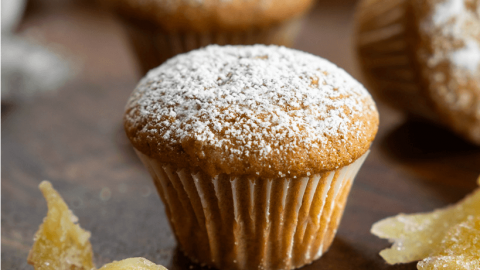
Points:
(448, 263)
(60, 243)
(132, 264)
(460, 249)
(418, 236)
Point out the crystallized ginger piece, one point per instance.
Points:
(448, 263)
(459, 250)
(60, 244)
(417, 236)
(132, 264)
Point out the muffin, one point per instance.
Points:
(423, 57)
(159, 30)
(253, 150)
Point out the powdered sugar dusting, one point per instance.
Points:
(252, 100)
(447, 10)
(459, 23)
(450, 54)
(468, 57)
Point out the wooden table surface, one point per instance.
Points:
(74, 138)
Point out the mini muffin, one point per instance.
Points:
(423, 57)
(159, 29)
(253, 150)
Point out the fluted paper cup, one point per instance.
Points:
(252, 223)
(153, 46)
(384, 45)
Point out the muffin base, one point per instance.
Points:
(153, 46)
(252, 223)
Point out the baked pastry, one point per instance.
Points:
(253, 150)
(159, 30)
(423, 57)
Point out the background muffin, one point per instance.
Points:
(253, 150)
(423, 57)
(159, 30)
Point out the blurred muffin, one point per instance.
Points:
(159, 30)
(253, 150)
(423, 57)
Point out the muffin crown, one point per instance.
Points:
(262, 110)
(211, 15)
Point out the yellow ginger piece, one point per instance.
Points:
(448, 263)
(417, 236)
(60, 244)
(459, 250)
(133, 264)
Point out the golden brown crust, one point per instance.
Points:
(255, 110)
(211, 15)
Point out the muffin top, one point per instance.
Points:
(258, 110)
(449, 55)
(211, 15)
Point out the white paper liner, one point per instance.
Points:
(153, 46)
(252, 223)
(387, 57)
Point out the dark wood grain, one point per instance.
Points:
(74, 138)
